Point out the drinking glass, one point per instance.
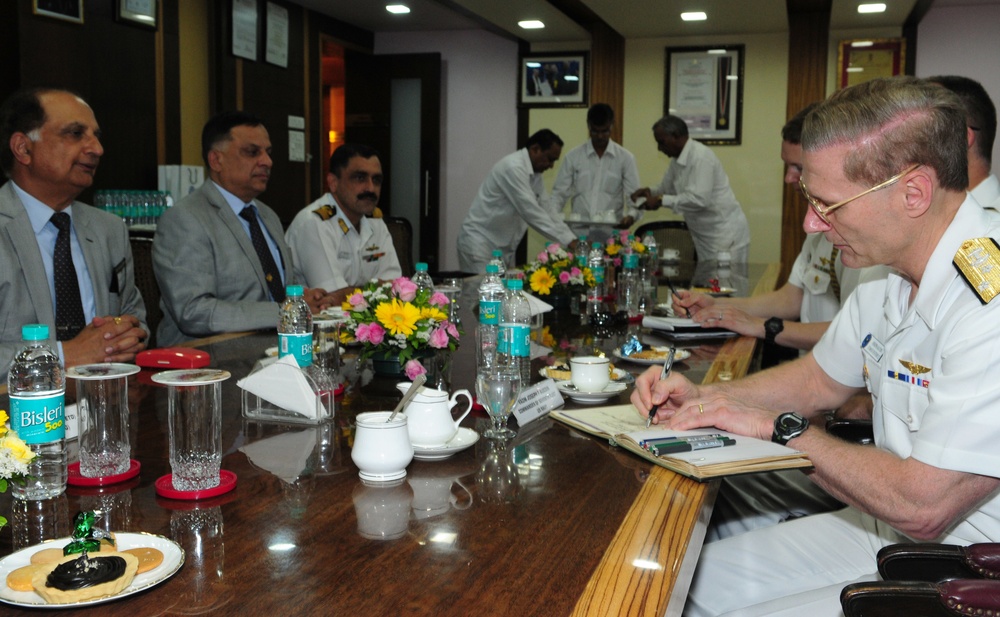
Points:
(497, 390)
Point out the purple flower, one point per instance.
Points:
(376, 334)
(405, 289)
(439, 338)
(439, 299)
(414, 368)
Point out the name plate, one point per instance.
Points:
(536, 401)
(71, 422)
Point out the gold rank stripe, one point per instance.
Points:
(343, 226)
(978, 261)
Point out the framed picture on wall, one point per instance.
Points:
(554, 80)
(67, 10)
(137, 12)
(704, 87)
(861, 60)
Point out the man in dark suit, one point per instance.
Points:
(219, 255)
(49, 150)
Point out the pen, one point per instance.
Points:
(657, 450)
(674, 439)
(673, 291)
(663, 375)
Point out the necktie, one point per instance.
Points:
(69, 307)
(834, 283)
(271, 274)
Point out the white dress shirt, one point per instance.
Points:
(987, 192)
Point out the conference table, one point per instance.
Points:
(551, 522)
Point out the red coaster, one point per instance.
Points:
(165, 487)
(75, 479)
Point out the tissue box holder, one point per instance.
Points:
(257, 408)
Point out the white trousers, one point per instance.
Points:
(796, 568)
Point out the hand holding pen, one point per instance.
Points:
(663, 375)
(673, 293)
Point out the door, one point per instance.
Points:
(393, 103)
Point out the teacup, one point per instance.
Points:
(575, 216)
(590, 373)
(671, 254)
(381, 449)
(609, 217)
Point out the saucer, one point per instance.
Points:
(465, 438)
(658, 359)
(612, 390)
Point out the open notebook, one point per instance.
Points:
(623, 425)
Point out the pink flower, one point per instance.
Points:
(564, 344)
(357, 300)
(376, 334)
(543, 257)
(611, 240)
(414, 368)
(617, 261)
(439, 299)
(452, 330)
(574, 271)
(564, 277)
(438, 339)
(362, 333)
(405, 289)
(553, 248)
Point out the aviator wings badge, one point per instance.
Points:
(914, 368)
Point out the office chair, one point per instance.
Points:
(671, 234)
(145, 281)
(402, 239)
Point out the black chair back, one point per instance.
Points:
(142, 260)
(402, 239)
(671, 234)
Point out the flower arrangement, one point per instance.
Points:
(15, 455)
(396, 318)
(555, 268)
(616, 242)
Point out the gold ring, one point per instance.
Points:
(701, 408)
(720, 315)
(118, 320)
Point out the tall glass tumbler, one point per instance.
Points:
(194, 411)
(102, 409)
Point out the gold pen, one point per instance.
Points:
(663, 375)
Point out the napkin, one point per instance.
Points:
(284, 385)
(285, 455)
(537, 306)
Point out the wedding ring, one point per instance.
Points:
(118, 320)
(701, 408)
(720, 316)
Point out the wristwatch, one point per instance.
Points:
(788, 426)
(772, 328)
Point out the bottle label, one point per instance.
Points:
(515, 340)
(38, 419)
(489, 312)
(598, 272)
(298, 345)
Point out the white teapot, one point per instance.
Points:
(429, 417)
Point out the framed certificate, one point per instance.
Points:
(861, 60)
(67, 10)
(704, 87)
(137, 12)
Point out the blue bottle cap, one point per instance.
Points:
(497, 253)
(515, 284)
(421, 267)
(492, 269)
(35, 332)
(293, 290)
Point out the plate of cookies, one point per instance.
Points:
(561, 372)
(33, 577)
(653, 355)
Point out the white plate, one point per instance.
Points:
(617, 375)
(681, 355)
(465, 438)
(613, 389)
(173, 558)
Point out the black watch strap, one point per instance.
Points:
(788, 426)
(772, 328)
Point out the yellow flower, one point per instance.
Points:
(432, 312)
(562, 264)
(3, 422)
(613, 249)
(18, 449)
(542, 281)
(398, 317)
(638, 247)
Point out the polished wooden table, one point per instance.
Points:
(553, 522)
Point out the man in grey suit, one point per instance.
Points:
(219, 255)
(49, 150)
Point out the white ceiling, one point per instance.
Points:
(631, 18)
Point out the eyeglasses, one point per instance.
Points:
(823, 211)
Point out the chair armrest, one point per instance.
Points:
(855, 431)
(938, 562)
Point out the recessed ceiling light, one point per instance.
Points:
(716, 51)
(855, 69)
(877, 7)
(572, 78)
(398, 9)
(531, 24)
(694, 16)
(862, 43)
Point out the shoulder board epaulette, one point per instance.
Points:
(377, 213)
(326, 212)
(343, 226)
(978, 261)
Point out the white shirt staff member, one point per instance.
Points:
(335, 246)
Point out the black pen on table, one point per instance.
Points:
(663, 375)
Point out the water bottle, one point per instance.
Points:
(498, 262)
(515, 330)
(421, 279)
(295, 327)
(37, 388)
(629, 284)
(581, 252)
(647, 271)
(724, 273)
(595, 293)
(491, 294)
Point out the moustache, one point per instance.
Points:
(369, 196)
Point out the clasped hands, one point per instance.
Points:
(684, 406)
(106, 339)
